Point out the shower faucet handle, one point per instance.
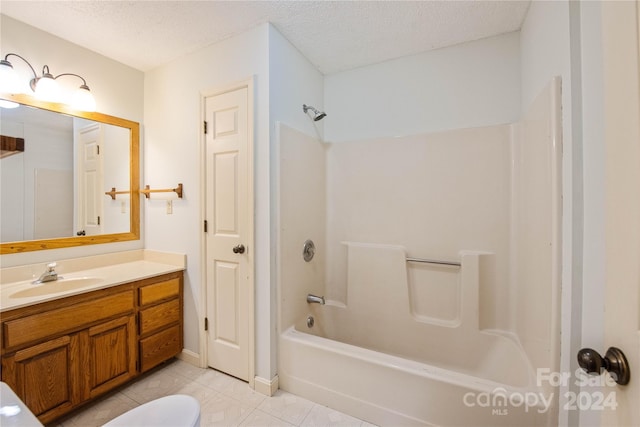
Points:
(308, 250)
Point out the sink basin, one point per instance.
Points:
(60, 285)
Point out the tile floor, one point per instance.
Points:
(224, 401)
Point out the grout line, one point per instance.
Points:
(182, 374)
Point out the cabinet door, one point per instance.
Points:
(45, 376)
(111, 355)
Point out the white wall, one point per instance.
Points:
(293, 81)
(118, 90)
(172, 155)
(467, 85)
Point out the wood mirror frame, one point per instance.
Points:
(134, 182)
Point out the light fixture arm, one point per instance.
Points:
(6, 62)
(84, 82)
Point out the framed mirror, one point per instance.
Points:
(68, 178)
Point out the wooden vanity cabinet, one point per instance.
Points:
(60, 354)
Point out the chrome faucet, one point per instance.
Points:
(49, 275)
(313, 299)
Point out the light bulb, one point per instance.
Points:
(83, 99)
(8, 78)
(47, 89)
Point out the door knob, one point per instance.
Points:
(239, 249)
(613, 361)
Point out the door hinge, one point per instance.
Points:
(98, 220)
(205, 127)
(98, 150)
(206, 226)
(206, 323)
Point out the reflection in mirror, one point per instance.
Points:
(54, 187)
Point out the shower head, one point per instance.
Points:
(317, 115)
(320, 116)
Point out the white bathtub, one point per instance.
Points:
(389, 390)
(373, 357)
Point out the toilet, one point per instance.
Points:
(177, 410)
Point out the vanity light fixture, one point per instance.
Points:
(45, 87)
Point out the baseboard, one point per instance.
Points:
(189, 357)
(266, 387)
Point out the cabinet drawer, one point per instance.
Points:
(160, 315)
(159, 347)
(159, 291)
(51, 323)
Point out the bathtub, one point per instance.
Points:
(387, 390)
(373, 357)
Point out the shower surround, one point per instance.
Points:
(417, 343)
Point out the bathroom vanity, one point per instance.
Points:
(62, 352)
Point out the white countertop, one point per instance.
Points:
(124, 268)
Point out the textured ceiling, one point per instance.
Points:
(333, 35)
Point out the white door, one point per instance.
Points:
(229, 246)
(622, 140)
(90, 195)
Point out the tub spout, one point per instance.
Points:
(313, 299)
